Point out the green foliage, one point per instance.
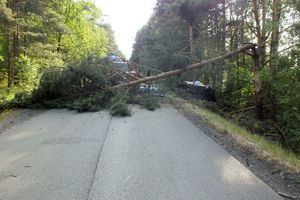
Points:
(118, 103)
(286, 88)
(239, 89)
(45, 56)
(80, 87)
(83, 36)
(150, 103)
(158, 43)
(145, 100)
(120, 100)
(91, 103)
(27, 74)
(191, 10)
(120, 109)
(50, 34)
(171, 83)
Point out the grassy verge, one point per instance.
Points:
(270, 149)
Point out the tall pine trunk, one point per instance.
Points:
(59, 42)
(273, 53)
(8, 57)
(257, 84)
(259, 54)
(12, 42)
(191, 40)
(15, 43)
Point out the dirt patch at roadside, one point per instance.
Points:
(281, 179)
(11, 118)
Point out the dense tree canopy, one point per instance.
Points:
(36, 35)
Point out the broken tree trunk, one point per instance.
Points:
(257, 83)
(187, 68)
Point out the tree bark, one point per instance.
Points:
(242, 36)
(16, 46)
(274, 52)
(8, 49)
(259, 53)
(257, 85)
(223, 32)
(263, 34)
(191, 39)
(59, 42)
(8, 58)
(12, 42)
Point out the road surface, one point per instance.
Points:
(63, 155)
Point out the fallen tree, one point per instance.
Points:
(91, 85)
(84, 87)
(187, 68)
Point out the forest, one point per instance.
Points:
(261, 88)
(54, 54)
(48, 54)
(38, 35)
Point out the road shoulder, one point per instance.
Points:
(11, 118)
(281, 179)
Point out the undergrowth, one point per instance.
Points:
(121, 99)
(120, 109)
(145, 100)
(118, 104)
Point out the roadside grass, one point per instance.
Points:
(270, 149)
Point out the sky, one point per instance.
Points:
(126, 17)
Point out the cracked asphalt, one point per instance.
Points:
(63, 155)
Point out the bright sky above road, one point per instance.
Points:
(126, 18)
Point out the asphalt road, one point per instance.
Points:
(63, 155)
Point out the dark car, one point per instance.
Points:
(198, 90)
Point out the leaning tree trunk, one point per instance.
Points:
(185, 69)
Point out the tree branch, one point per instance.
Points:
(250, 27)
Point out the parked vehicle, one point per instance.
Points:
(198, 90)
